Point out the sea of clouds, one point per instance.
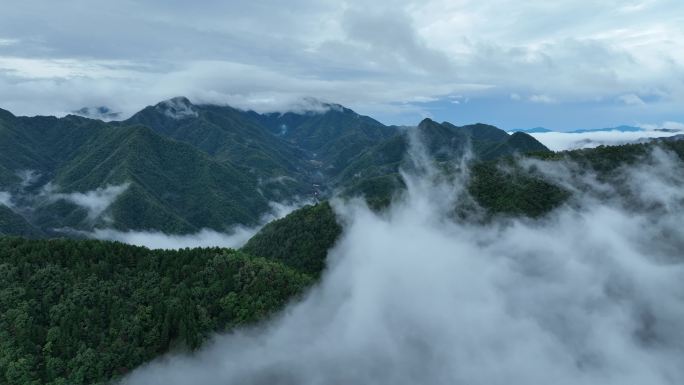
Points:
(561, 141)
(589, 294)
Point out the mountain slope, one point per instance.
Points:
(86, 312)
(374, 173)
(40, 143)
(302, 238)
(499, 187)
(332, 134)
(178, 167)
(172, 186)
(12, 223)
(227, 135)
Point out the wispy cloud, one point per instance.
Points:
(6, 199)
(96, 202)
(234, 237)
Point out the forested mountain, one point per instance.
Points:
(226, 134)
(169, 185)
(332, 135)
(85, 312)
(374, 173)
(302, 238)
(178, 167)
(500, 187)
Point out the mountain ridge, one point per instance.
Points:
(193, 166)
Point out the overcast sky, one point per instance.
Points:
(559, 64)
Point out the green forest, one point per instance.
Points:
(84, 312)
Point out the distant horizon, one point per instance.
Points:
(297, 108)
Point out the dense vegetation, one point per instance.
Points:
(511, 191)
(301, 240)
(12, 223)
(190, 167)
(499, 187)
(83, 312)
(78, 312)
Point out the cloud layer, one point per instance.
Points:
(560, 141)
(589, 294)
(234, 237)
(620, 58)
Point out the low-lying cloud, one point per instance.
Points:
(159, 240)
(560, 141)
(234, 237)
(96, 202)
(6, 199)
(590, 294)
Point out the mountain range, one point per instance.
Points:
(179, 167)
(89, 312)
(541, 130)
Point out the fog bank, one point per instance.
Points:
(590, 294)
(561, 141)
(234, 237)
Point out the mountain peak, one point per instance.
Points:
(426, 122)
(177, 108)
(535, 130)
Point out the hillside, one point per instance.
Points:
(501, 188)
(332, 134)
(178, 167)
(302, 238)
(84, 312)
(225, 134)
(375, 173)
(172, 186)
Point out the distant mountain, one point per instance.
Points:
(541, 130)
(374, 173)
(179, 167)
(332, 134)
(171, 186)
(618, 128)
(228, 135)
(674, 138)
(535, 130)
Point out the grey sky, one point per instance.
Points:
(607, 62)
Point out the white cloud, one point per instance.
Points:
(589, 294)
(235, 237)
(560, 141)
(96, 202)
(158, 240)
(673, 126)
(267, 56)
(6, 42)
(632, 100)
(6, 199)
(545, 99)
